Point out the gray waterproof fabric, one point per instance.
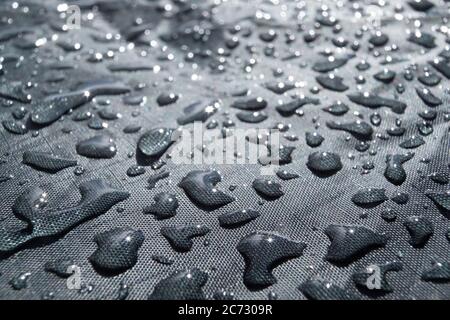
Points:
(310, 203)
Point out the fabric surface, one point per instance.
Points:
(206, 71)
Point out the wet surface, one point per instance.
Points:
(358, 90)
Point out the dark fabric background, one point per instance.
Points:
(310, 203)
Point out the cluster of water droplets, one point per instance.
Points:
(358, 89)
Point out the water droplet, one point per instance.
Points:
(264, 251)
(420, 230)
(97, 198)
(370, 197)
(117, 249)
(200, 187)
(324, 290)
(395, 173)
(102, 147)
(164, 207)
(325, 163)
(237, 218)
(47, 161)
(267, 189)
(181, 237)
(350, 242)
(181, 285)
